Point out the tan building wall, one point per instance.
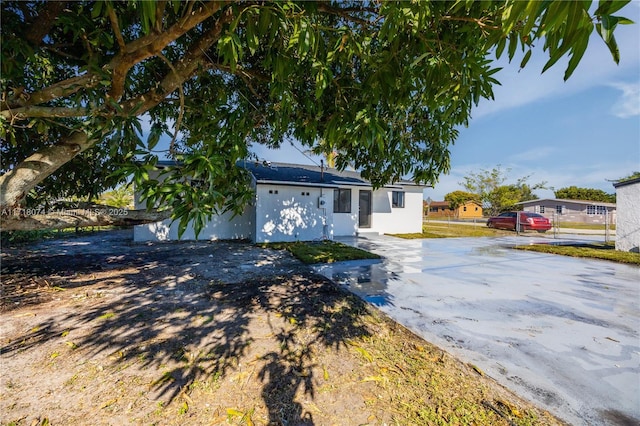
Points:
(469, 211)
(441, 209)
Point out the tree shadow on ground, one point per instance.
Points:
(157, 313)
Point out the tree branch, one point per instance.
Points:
(38, 111)
(346, 12)
(79, 218)
(133, 53)
(116, 27)
(181, 112)
(35, 31)
(184, 69)
(17, 182)
(480, 21)
(152, 44)
(57, 90)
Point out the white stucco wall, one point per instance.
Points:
(288, 215)
(221, 227)
(397, 220)
(292, 213)
(628, 217)
(384, 218)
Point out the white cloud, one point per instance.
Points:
(525, 86)
(628, 104)
(534, 154)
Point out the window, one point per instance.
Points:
(342, 201)
(591, 210)
(464, 208)
(397, 199)
(476, 209)
(559, 209)
(541, 209)
(434, 209)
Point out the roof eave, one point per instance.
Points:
(292, 183)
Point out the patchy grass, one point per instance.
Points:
(580, 225)
(21, 237)
(604, 251)
(322, 252)
(444, 230)
(426, 386)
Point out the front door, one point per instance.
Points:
(364, 209)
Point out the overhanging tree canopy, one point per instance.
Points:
(383, 84)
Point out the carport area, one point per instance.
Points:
(562, 332)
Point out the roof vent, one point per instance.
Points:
(268, 164)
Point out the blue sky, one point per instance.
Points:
(582, 132)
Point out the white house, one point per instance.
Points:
(305, 203)
(628, 222)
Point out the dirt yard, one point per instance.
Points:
(96, 330)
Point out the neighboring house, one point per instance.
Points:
(305, 203)
(572, 210)
(442, 209)
(628, 220)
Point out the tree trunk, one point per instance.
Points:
(28, 220)
(16, 183)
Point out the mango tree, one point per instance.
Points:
(89, 88)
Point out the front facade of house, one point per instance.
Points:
(306, 203)
(628, 220)
(442, 209)
(572, 210)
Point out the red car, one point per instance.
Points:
(528, 221)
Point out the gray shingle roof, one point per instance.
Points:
(564, 200)
(284, 173)
(298, 173)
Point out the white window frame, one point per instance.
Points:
(397, 199)
(338, 207)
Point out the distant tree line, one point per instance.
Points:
(586, 194)
(490, 189)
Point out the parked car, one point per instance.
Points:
(528, 221)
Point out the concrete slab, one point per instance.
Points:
(560, 331)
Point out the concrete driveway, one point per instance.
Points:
(561, 332)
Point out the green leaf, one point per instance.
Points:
(97, 9)
(182, 226)
(532, 12)
(526, 58)
(513, 45)
(148, 15)
(500, 48)
(576, 54)
(304, 39)
(555, 56)
(608, 7)
(264, 21)
(154, 136)
(252, 38)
